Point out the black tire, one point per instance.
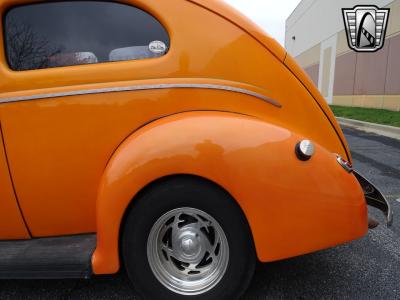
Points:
(178, 192)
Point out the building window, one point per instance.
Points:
(66, 33)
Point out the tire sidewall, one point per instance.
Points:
(174, 194)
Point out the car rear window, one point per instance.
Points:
(66, 33)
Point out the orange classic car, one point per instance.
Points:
(172, 138)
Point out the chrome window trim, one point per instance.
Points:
(142, 88)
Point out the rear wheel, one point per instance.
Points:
(187, 238)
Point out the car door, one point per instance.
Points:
(12, 225)
(60, 123)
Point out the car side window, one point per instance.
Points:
(66, 33)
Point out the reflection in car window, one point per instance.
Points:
(66, 33)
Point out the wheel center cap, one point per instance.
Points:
(190, 245)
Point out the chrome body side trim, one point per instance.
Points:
(142, 88)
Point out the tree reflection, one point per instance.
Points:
(26, 50)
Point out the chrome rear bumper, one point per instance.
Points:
(375, 198)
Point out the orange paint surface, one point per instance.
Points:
(293, 207)
(77, 162)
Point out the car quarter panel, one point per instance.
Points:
(287, 202)
(58, 147)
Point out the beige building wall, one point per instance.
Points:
(326, 71)
(309, 61)
(309, 57)
(358, 79)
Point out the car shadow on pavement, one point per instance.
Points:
(359, 270)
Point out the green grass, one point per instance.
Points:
(379, 116)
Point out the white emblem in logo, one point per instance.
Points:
(157, 47)
(366, 27)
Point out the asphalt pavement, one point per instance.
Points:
(365, 269)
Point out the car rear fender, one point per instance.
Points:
(285, 200)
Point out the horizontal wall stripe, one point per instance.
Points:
(142, 88)
(389, 102)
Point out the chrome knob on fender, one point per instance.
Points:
(305, 149)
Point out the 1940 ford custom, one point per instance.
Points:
(172, 138)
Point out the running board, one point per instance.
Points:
(47, 258)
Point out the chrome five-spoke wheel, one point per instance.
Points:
(186, 238)
(188, 251)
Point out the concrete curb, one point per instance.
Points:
(389, 131)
